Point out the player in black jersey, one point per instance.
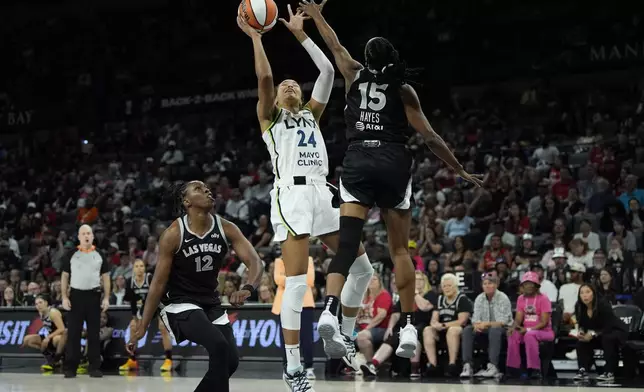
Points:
(52, 343)
(136, 292)
(191, 252)
(377, 166)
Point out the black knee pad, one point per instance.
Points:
(350, 236)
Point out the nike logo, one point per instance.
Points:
(186, 241)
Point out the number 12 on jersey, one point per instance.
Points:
(311, 141)
(206, 265)
(373, 96)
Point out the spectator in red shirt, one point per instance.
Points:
(517, 223)
(493, 254)
(373, 317)
(561, 188)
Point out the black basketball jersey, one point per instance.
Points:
(448, 312)
(375, 111)
(47, 322)
(139, 293)
(195, 267)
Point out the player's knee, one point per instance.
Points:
(357, 282)
(348, 244)
(292, 302)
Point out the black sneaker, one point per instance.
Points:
(607, 376)
(297, 382)
(535, 375)
(581, 375)
(453, 370)
(95, 373)
(70, 374)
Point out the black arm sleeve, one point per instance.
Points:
(67, 262)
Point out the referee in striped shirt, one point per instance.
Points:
(83, 270)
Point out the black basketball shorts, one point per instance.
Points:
(377, 173)
(175, 322)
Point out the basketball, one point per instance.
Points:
(259, 14)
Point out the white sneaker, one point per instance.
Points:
(408, 342)
(351, 360)
(490, 372)
(368, 369)
(310, 374)
(329, 330)
(467, 371)
(572, 355)
(298, 382)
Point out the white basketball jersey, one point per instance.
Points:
(296, 145)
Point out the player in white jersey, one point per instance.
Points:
(301, 202)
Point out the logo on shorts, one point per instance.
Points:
(360, 126)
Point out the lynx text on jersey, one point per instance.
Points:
(201, 248)
(308, 158)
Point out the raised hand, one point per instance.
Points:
(246, 28)
(310, 8)
(295, 22)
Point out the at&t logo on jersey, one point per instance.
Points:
(201, 248)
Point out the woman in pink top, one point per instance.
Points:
(531, 326)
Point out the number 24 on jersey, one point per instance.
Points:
(311, 139)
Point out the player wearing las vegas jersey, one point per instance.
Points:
(136, 292)
(377, 165)
(301, 202)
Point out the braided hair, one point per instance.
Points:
(383, 60)
(178, 195)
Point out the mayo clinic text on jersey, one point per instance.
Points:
(310, 159)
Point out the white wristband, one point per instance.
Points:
(324, 83)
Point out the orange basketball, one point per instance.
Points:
(260, 14)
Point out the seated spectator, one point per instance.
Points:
(599, 259)
(492, 314)
(634, 275)
(599, 327)
(579, 253)
(620, 231)
(550, 211)
(118, 291)
(525, 252)
(460, 225)
(373, 317)
(517, 222)
(569, 292)
(546, 287)
(461, 259)
(617, 257)
(631, 192)
(266, 294)
(557, 259)
(8, 299)
(605, 289)
(573, 205)
(531, 326)
(425, 302)
(453, 313)
(263, 234)
(431, 245)
(434, 274)
(635, 216)
(494, 254)
(507, 239)
(585, 234)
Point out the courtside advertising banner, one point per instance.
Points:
(256, 331)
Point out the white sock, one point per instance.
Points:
(293, 362)
(348, 325)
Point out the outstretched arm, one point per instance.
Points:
(324, 83)
(419, 122)
(346, 64)
(248, 255)
(265, 86)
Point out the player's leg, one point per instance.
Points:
(32, 341)
(233, 354)
(352, 218)
(131, 363)
(292, 215)
(295, 253)
(167, 347)
(195, 326)
(59, 344)
(398, 223)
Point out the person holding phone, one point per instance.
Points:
(599, 327)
